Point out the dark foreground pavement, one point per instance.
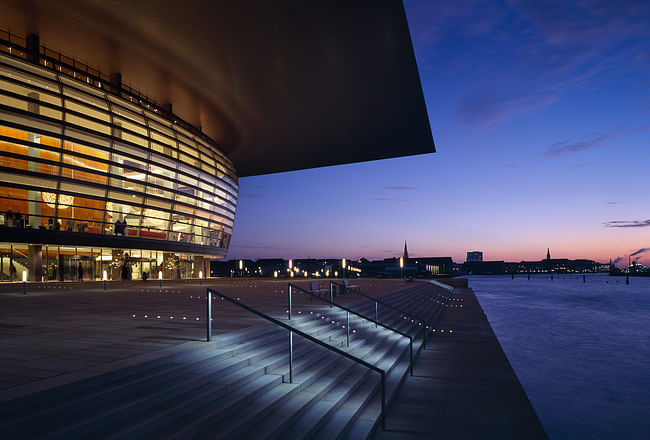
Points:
(463, 385)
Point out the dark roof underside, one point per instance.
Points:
(280, 85)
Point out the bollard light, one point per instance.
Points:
(24, 282)
(160, 278)
(275, 274)
(24, 276)
(200, 277)
(105, 277)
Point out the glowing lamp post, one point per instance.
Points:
(401, 267)
(275, 274)
(344, 268)
(105, 278)
(241, 267)
(200, 277)
(160, 278)
(24, 282)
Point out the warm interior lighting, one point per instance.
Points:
(50, 199)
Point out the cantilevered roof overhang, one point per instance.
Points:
(281, 85)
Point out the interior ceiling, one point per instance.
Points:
(281, 85)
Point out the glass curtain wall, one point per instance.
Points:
(76, 158)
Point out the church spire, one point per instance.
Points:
(548, 253)
(406, 252)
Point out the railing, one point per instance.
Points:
(406, 314)
(332, 303)
(293, 330)
(443, 285)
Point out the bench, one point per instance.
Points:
(315, 289)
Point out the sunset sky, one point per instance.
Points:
(541, 119)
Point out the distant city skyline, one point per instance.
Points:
(541, 121)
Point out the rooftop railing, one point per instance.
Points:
(29, 49)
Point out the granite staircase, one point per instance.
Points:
(238, 385)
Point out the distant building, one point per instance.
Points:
(474, 256)
(484, 267)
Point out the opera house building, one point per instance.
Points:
(125, 126)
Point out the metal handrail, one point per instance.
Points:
(292, 330)
(331, 302)
(407, 314)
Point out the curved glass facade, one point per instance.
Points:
(74, 157)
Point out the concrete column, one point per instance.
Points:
(60, 272)
(115, 273)
(199, 266)
(34, 263)
(33, 49)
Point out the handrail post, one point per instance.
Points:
(331, 295)
(383, 401)
(376, 314)
(289, 300)
(290, 356)
(424, 337)
(347, 327)
(411, 354)
(208, 317)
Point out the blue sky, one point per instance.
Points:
(540, 112)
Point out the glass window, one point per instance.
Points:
(26, 77)
(118, 102)
(155, 219)
(191, 160)
(32, 124)
(130, 132)
(159, 192)
(137, 152)
(21, 179)
(87, 110)
(91, 95)
(125, 197)
(129, 185)
(78, 149)
(85, 210)
(121, 211)
(123, 114)
(87, 138)
(87, 123)
(83, 189)
(158, 203)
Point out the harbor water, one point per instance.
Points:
(581, 350)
